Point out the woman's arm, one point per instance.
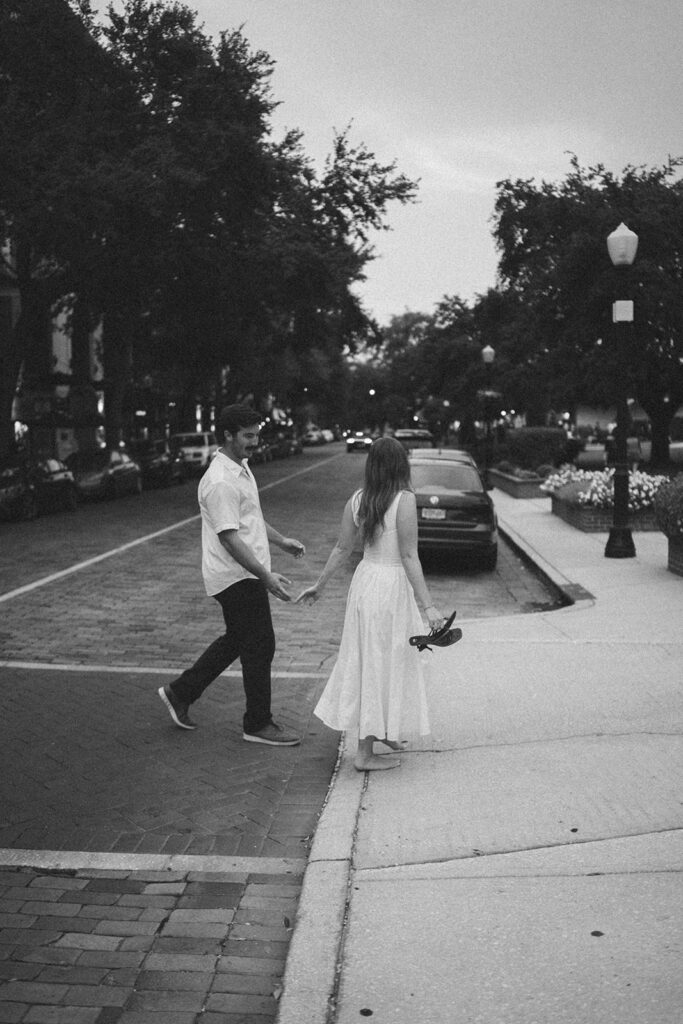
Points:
(406, 524)
(348, 534)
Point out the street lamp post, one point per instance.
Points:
(488, 354)
(622, 245)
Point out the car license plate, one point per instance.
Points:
(433, 513)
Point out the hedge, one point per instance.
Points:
(530, 447)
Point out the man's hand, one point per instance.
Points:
(293, 547)
(308, 596)
(277, 585)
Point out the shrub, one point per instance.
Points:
(572, 491)
(505, 467)
(564, 475)
(545, 470)
(595, 489)
(668, 505)
(530, 446)
(642, 488)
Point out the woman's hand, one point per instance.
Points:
(308, 596)
(434, 617)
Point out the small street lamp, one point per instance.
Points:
(622, 245)
(488, 354)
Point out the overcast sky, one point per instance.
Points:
(463, 93)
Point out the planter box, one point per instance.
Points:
(675, 563)
(515, 486)
(599, 520)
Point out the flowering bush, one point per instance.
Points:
(642, 488)
(669, 507)
(564, 475)
(595, 489)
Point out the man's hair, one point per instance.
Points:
(237, 417)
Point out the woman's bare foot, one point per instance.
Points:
(375, 764)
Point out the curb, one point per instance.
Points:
(314, 958)
(570, 593)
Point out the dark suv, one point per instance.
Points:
(161, 466)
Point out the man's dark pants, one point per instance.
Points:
(248, 636)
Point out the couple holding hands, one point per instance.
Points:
(377, 684)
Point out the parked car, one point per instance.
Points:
(263, 451)
(358, 441)
(328, 435)
(455, 511)
(105, 474)
(414, 437)
(197, 449)
(313, 436)
(31, 486)
(160, 465)
(283, 442)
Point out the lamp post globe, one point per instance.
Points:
(622, 246)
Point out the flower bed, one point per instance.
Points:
(585, 500)
(599, 520)
(517, 486)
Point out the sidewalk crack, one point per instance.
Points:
(487, 854)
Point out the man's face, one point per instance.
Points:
(243, 444)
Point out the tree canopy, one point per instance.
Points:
(553, 260)
(140, 178)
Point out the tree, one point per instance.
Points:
(140, 180)
(56, 117)
(553, 258)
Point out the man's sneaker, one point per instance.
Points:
(176, 710)
(274, 735)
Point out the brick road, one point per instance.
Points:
(93, 764)
(116, 947)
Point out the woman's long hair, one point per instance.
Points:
(387, 472)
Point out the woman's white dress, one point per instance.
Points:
(377, 685)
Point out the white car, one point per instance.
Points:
(197, 449)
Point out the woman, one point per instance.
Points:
(377, 683)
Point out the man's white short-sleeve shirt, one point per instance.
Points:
(228, 500)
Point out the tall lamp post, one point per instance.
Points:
(622, 245)
(488, 354)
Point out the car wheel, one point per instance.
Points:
(29, 507)
(71, 500)
(490, 559)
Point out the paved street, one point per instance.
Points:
(93, 764)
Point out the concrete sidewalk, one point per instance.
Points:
(524, 865)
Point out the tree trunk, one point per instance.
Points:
(10, 365)
(117, 357)
(660, 413)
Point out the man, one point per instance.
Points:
(237, 573)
